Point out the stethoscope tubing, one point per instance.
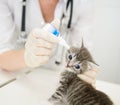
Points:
(23, 18)
(23, 30)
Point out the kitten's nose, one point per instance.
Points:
(67, 66)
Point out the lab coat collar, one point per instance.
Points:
(60, 9)
(63, 1)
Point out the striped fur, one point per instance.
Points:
(73, 90)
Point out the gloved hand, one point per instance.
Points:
(39, 46)
(90, 76)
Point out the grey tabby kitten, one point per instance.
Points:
(73, 90)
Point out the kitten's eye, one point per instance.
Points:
(77, 66)
(70, 57)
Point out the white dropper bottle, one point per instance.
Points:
(53, 28)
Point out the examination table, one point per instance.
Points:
(38, 85)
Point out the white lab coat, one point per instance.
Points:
(10, 22)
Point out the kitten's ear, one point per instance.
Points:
(82, 45)
(92, 61)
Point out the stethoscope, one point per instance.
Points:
(23, 34)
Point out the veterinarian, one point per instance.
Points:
(24, 43)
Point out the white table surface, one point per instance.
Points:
(39, 85)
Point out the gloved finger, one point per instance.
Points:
(87, 79)
(94, 86)
(92, 73)
(96, 69)
(32, 42)
(38, 49)
(41, 51)
(33, 60)
(43, 34)
(42, 59)
(43, 43)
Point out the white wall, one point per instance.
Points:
(106, 39)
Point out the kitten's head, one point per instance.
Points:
(79, 59)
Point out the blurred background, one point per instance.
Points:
(106, 39)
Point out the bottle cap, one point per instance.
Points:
(56, 23)
(53, 27)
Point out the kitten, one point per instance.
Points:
(73, 90)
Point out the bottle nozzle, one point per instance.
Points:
(54, 29)
(56, 23)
